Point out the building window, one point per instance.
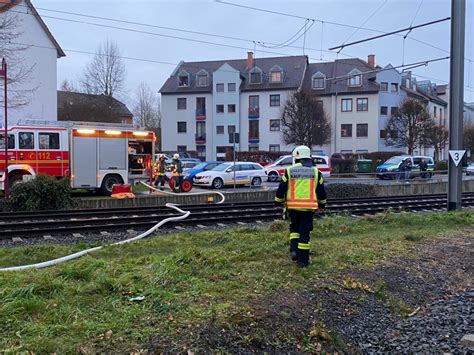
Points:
(318, 81)
(219, 129)
(200, 106)
(255, 76)
(346, 105)
(220, 87)
(181, 102)
(231, 87)
(253, 148)
(201, 130)
(274, 147)
(219, 108)
(181, 148)
(355, 78)
(26, 140)
(182, 127)
(183, 80)
(440, 115)
(362, 130)
(253, 101)
(201, 152)
(253, 129)
(48, 141)
(383, 110)
(231, 108)
(394, 87)
(346, 130)
(394, 111)
(202, 79)
(362, 104)
(230, 129)
(383, 133)
(383, 86)
(434, 112)
(275, 77)
(275, 125)
(275, 100)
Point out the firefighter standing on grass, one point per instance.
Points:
(160, 172)
(302, 191)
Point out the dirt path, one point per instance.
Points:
(407, 304)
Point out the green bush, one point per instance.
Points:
(441, 165)
(349, 190)
(42, 193)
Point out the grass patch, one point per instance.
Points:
(186, 279)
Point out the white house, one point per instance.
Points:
(39, 55)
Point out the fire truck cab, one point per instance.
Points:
(93, 156)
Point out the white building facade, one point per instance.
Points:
(41, 51)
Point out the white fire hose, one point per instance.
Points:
(185, 214)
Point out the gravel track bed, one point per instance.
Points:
(116, 236)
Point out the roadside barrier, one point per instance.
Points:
(185, 214)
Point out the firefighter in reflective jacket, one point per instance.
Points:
(177, 172)
(302, 190)
(160, 172)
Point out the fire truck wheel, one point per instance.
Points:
(108, 182)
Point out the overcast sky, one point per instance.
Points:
(216, 18)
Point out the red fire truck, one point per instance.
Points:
(93, 156)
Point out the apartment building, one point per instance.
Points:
(204, 102)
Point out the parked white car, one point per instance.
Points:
(470, 169)
(277, 169)
(223, 174)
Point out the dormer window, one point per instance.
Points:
(276, 74)
(318, 81)
(183, 79)
(355, 78)
(256, 76)
(202, 78)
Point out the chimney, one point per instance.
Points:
(371, 60)
(249, 60)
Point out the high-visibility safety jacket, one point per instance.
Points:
(160, 168)
(302, 187)
(178, 167)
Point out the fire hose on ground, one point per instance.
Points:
(185, 214)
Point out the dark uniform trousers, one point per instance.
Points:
(301, 226)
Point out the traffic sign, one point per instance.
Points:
(456, 156)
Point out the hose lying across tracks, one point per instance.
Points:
(185, 214)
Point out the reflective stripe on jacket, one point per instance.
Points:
(302, 182)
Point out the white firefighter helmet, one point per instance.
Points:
(301, 152)
(176, 156)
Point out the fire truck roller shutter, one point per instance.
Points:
(84, 165)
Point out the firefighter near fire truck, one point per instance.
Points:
(177, 170)
(302, 193)
(160, 172)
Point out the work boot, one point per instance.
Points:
(293, 249)
(293, 255)
(303, 258)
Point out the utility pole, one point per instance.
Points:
(3, 72)
(456, 103)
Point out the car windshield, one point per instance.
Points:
(221, 167)
(394, 160)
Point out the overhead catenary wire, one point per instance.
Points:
(410, 28)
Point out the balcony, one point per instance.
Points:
(200, 114)
(254, 112)
(254, 137)
(200, 138)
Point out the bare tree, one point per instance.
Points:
(304, 121)
(67, 85)
(409, 126)
(437, 137)
(19, 70)
(105, 74)
(469, 138)
(147, 109)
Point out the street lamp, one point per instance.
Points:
(3, 73)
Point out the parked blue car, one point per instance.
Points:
(208, 165)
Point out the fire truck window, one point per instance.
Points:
(26, 140)
(48, 141)
(11, 141)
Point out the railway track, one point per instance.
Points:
(37, 224)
